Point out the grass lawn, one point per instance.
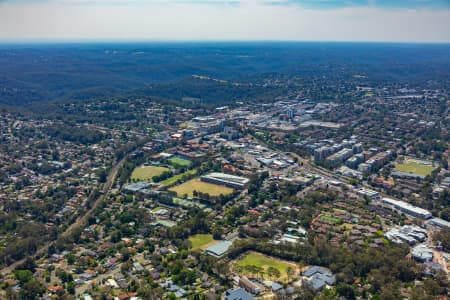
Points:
(177, 177)
(263, 261)
(415, 168)
(329, 218)
(197, 185)
(179, 162)
(201, 241)
(147, 172)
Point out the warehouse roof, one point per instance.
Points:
(228, 177)
(440, 222)
(406, 206)
(219, 249)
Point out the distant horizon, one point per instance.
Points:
(393, 21)
(150, 42)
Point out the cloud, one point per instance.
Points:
(219, 20)
(316, 4)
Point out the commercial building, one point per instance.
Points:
(438, 222)
(340, 156)
(346, 171)
(290, 113)
(372, 195)
(322, 152)
(188, 134)
(231, 181)
(407, 208)
(364, 167)
(207, 125)
(379, 159)
(357, 148)
(355, 160)
(229, 133)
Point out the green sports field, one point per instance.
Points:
(263, 261)
(176, 178)
(147, 172)
(415, 168)
(197, 185)
(179, 162)
(201, 241)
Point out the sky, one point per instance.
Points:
(219, 20)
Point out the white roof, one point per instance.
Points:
(422, 251)
(367, 192)
(440, 222)
(223, 176)
(407, 206)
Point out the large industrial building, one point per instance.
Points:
(231, 181)
(219, 249)
(438, 222)
(407, 208)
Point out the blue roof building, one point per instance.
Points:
(276, 286)
(237, 294)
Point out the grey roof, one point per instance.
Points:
(317, 284)
(180, 293)
(290, 290)
(319, 281)
(276, 286)
(316, 269)
(134, 187)
(219, 248)
(237, 294)
(407, 207)
(174, 288)
(440, 222)
(422, 252)
(227, 177)
(434, 266)
(406, 174)
(319, 277)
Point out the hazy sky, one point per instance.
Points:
(310, 20)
